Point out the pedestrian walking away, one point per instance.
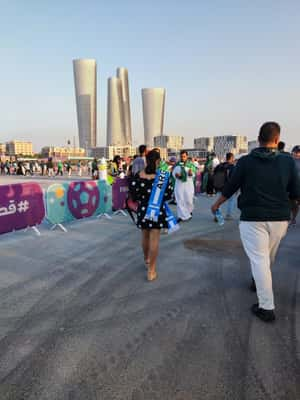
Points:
(139, 162)
(268, 180)
(184, 173)
(222, 174)
(141, 188)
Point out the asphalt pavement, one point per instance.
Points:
(78, 319)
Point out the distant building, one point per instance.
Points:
(235, 144)
(252, 144)
(2, 148)
(109, 152)
(171, 143)
(116, 130)
(204, 143)
(153, 113)
(85, 80)
(122, 74)
(62, 152)
(18, 147)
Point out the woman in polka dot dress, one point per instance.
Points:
(141, 187)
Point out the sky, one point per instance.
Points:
(227, 66)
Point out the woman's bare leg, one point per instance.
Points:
(154, 248)
(146, 245)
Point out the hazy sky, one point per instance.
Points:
(227, 66)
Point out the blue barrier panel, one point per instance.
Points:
(105, 198)
(76, 200)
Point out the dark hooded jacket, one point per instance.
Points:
(268, 180)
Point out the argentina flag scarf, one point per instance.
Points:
(157, 198)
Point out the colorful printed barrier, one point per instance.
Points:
(21, 206)
(119, 194)
(69, 201)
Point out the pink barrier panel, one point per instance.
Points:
(21, 206)
(119, 194)
(198, 182)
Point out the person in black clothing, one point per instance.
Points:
(268, 180)
(281, 148)
(222, 174)
(95, 170)
(141, 188)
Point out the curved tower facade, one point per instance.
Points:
(85, 79)
(153, 113)
(115, 113)
(122, 74)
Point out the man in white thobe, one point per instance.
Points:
(184, 187)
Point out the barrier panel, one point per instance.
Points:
(105, 205)
(76, 200)
(119, 194)
(21, 206)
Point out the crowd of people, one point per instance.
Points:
(43, 168)
(266, 181)
(265, 184)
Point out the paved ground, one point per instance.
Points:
(79, 321)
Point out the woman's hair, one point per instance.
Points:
(117, 159)
(151, 159)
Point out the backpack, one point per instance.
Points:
(220, 176)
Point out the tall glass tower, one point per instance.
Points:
(153, 113)
(85, 79)
(115, 113)
(122, 74)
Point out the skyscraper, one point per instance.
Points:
(85, 79)
(153, 113)
(115, 113)
(122, 73)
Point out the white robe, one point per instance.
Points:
(184, 194)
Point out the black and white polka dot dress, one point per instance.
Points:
(141, 189)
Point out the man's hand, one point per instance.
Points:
(178, 176)
(190, 172)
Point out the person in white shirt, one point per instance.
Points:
(184, 187)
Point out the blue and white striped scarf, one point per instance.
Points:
(157, 199)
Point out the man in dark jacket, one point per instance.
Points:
(268, 180)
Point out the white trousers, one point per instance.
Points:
(184, 194)
(261, 241)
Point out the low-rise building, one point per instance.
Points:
(62, 152)
(171, 143)
(252, 144)
(204, 143)
(19, 148)
(109, 152)
(2, 148)
(235, 144)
